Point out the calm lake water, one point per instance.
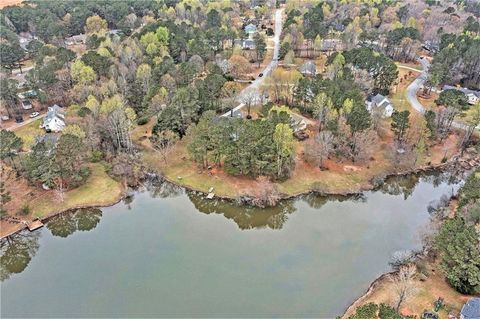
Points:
(168, 253)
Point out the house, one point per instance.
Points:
(246, 44)
(76, 39)
(472, 95)
(471, 310)
(26, 104)
(431, 46)
(473, 98)
(115, 32)
(250, 29)
(308, 69)
(54, 120)
(331, 45)
(382, 102)
(24, 38)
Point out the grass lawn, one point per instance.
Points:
(399, 98)
(99, 190)
(28, 133)
(425, 294)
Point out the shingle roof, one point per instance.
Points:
(471, 310)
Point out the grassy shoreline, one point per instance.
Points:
(47, 205)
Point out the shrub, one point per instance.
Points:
(25, 210)
(387, 312)
(367, 311)
(97, 156)
(143, 120)
(84, 111)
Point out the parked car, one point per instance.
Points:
(18, 119)
(260, 75)
(5, 117)
(26, 104)
(34, 114)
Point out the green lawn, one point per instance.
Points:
(99, 190)
(28, 133)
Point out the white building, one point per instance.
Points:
(54, 120)
(472, 98)
(382, 102)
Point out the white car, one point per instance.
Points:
(34, 114)
(5, 117)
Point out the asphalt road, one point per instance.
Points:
(416, 84)
(252, 92)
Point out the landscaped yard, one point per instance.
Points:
(99, 190)
(28, 133)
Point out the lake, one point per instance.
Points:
(164, 252)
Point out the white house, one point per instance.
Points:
(472, 98)
(245, 44)
(250, 29)
(54, 120)
(382, 102)
(76, 39)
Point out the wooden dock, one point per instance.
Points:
(36, 224)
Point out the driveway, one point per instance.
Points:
(15, 126)
(415, 86)
(252, 92)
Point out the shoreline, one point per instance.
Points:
(455, 160)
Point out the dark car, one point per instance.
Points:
(18, 119)
(260, 75)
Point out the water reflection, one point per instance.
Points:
(400, 185)
(16, 252)
(159, 188)
(66, 224)
(246, 217)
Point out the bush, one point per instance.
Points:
(387, 312)
(97, 156)
(84, 111)
(368, 311)
(25, 210)
(143, 120)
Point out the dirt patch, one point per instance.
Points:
(6, 3)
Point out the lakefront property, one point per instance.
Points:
(242, 158)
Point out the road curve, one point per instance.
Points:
(254, 87)
(416, 84)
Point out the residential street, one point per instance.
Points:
(252, 91)
(416, 84)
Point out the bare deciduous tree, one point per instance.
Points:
(403, 284)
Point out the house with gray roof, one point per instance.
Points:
(54, 120)
(250, 29)
(308, 68)
(471, 310)
(381, 102)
